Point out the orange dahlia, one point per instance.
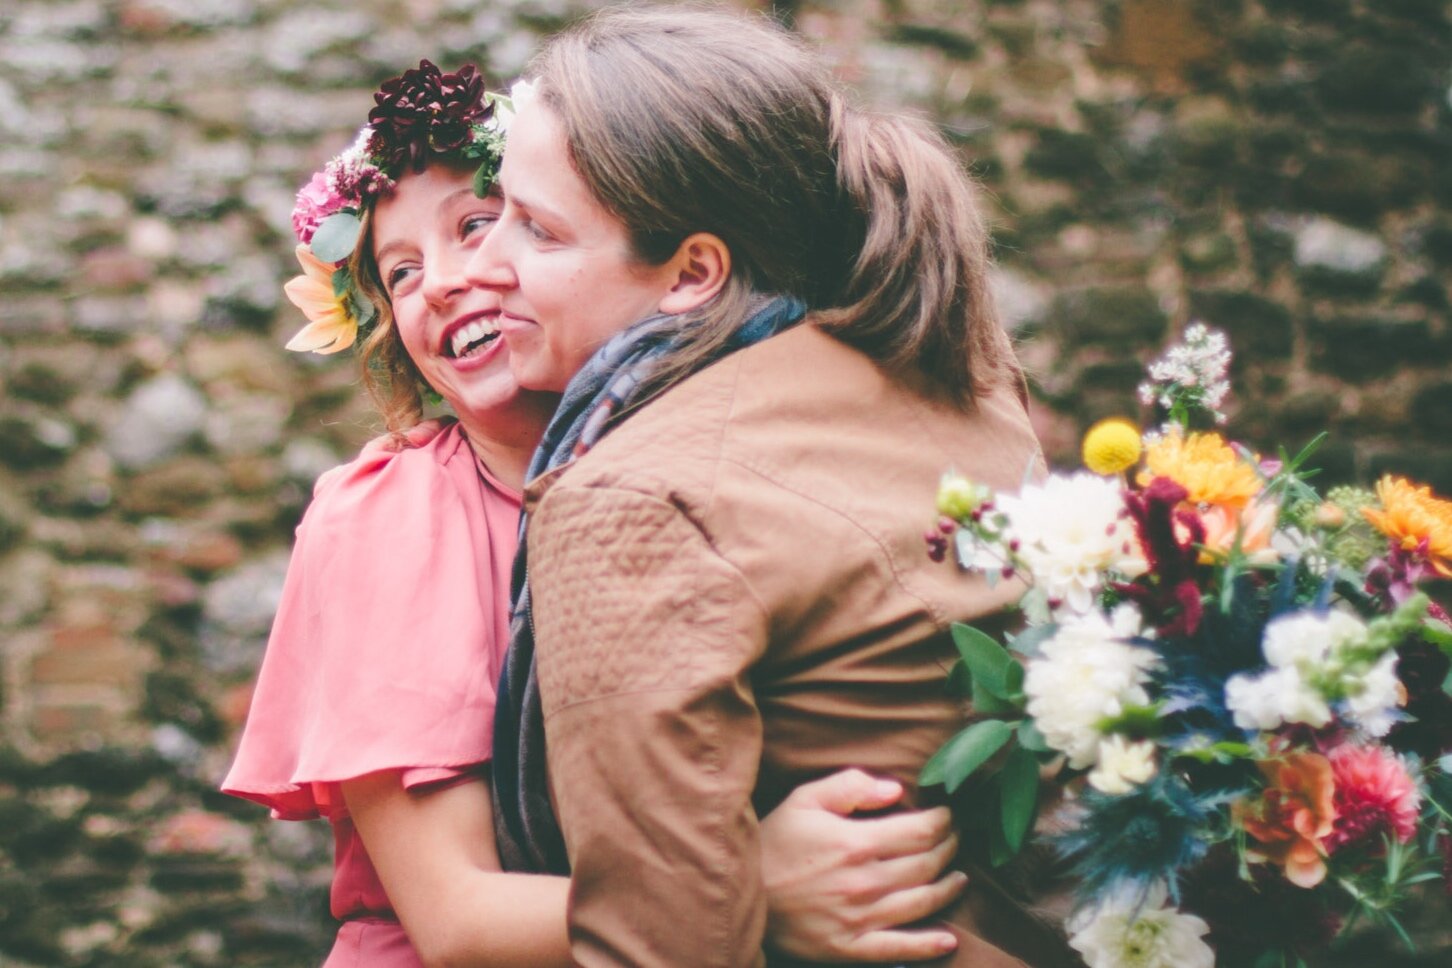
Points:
(1411, 515)
(1295, 811)
(1206, 466)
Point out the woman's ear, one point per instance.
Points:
(700, 268)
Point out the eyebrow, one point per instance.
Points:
(444, 203)
(525, 203)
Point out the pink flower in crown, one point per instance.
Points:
(315, 201)
(1375, 795)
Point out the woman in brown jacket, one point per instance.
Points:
(769, 317)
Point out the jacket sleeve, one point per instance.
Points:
(645, 639)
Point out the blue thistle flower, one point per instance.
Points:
(1153, 833)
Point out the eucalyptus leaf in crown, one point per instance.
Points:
(1240, 686)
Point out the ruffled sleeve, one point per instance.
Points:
(386, 647)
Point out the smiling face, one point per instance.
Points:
(423, 234)
(560, 263)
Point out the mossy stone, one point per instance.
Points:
(957, 45)
(1069, 156)
(1332, 11)
(1375, 80)
(1432, 410)
(1259, 329)
(1208, 253)
(1359, 186)
(1362, 348)
(1122, 316)
(41, 383)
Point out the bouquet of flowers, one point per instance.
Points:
(1241, 686)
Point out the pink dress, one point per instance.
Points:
(383, 656)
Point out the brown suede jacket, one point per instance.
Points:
(732, 596)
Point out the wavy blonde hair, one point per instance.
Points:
(393, 382)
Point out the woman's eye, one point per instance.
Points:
(477, 223)
(397, 276)
(536, 232)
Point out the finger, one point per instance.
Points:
(900, 834)
(903, 873)
(846, 792)
(916, 903)
(919, 944)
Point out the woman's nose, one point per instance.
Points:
(488, 266)
(444, 280)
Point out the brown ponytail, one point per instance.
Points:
(682, 120)
(917, 293)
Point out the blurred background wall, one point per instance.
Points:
(1277, 168)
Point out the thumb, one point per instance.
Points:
(846, 792)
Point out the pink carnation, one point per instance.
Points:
(1374, 795)
(315, 202)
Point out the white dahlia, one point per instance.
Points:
(1070, 530)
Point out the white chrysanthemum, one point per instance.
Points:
(1307, 640)
(1121, 934)
(1083, 674)
(1123, 765)
(1273, 698)
(1373, 695)
(1070, 530)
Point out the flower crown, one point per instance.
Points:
(420, 116)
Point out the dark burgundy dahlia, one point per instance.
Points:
(423, 112)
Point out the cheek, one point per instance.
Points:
(409, 324)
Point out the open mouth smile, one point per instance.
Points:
(470, 339)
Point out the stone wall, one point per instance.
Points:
(1278, 168)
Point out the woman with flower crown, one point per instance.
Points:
(375, 701)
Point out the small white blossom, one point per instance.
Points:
(1123, 765)
(1084, 673)
(1195, 370)
(1070, 530)
(1123, 934)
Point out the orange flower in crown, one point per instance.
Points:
(1412, 516)
(332, 323)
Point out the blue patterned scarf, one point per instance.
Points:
(609, 384)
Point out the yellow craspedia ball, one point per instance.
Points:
(1112, 446)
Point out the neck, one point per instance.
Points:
(506, 442)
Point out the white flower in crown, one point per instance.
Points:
(1128, 932)
(1071, 530)
(505, 109)
(1087, 671)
